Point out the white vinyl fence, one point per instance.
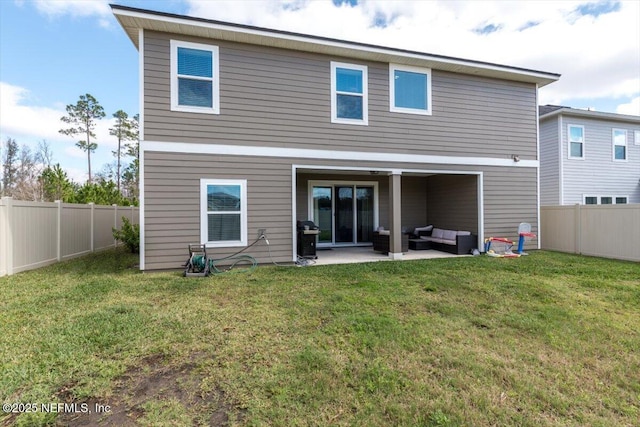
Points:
(35, 234)
(609, 231)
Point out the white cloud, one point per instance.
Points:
(598, 56)
(34, 122)
(28, 124)
(18, 118)
(632, 107)
(76, 175)
(54, 9)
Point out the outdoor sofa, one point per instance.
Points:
(451, 241)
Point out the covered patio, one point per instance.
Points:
(349, 204)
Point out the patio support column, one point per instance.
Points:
(395, 215)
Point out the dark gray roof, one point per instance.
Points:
(546, 109)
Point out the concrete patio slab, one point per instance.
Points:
(350, 255)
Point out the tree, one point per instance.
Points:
(27, 185)
(101, 193)
(44, 155)
(82, 116)
(9, 166)
(130, 179)
(125, 129)
(56, 184)
(131, 174)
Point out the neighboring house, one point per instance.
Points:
(246, 128)
(588, 157)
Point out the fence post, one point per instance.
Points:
(8, 202)
(92, 224)
(59, 231)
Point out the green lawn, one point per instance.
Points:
(548, 339)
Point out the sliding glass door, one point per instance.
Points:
(346, 213)
(365, 211)
(323, 213)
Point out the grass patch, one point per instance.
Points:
(548, 339)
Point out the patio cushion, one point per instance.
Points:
(437, 233)
(449, 235)
(464, 233)
(417, 230)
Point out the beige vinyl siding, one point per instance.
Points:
(172, 205)
(172, 199)
(453, 202)
(510, 197)
(276, 97)
(550, 162)
(414, 201)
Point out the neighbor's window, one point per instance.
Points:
(195, 80)
(349, 95)
(223, 210)
(636, 137)
(605, 200)
(576, 141)
(410, 89)
(590, 200)
(619, 144)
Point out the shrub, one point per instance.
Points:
(129, 235)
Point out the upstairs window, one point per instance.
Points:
(223, 212)
(620, 144)
(349, 94)
(410, 89)
(576, 141)
(195, 80)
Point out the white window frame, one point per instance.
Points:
(204, 223)
(585, 196)
(599, 199)
(584, 145)
(334, 94)
(215, 95)
(621, 197)
(636, 137)
(614, 145)
(392, 89)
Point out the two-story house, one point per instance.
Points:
(588, 157)
(246, 128)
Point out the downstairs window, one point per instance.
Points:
(223, 212)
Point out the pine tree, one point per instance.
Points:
(125, 129)
(82, 116)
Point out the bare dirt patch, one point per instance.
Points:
(144, 390)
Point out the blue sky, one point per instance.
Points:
(52, 51)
